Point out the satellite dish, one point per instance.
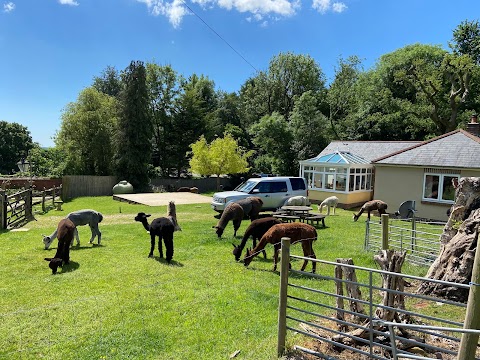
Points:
(406, 209)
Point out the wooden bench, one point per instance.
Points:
(287, 218)
(311, 218)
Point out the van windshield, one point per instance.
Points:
(247, 186)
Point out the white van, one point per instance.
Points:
(273, 191)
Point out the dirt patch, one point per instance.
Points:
(159, 199)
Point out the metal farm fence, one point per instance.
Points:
(421, 240)
(424, 327)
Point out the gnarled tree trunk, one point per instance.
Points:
(459, 243)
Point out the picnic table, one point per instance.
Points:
(291, 213)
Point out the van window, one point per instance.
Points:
(280, 186)
(297, 183)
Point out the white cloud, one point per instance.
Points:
(175, 10)
(8, 7)
(322, 6)
(339, 7)
(68, 2)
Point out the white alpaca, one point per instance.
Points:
(297, 201)
(329, 202)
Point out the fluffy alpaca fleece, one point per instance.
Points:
(65, 232)
(329, 202)
(234, 212)
(297, 232)
(370, 206)
(256, 230)
(81, 217)
(251, 206)
(297, 201)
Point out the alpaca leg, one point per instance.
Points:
(328, 210)
(236, 225)
(75, 233)
(334, 208)
(169, 246)
(255, 245)
(152, 245)
(160, 245)
(276, 249)
(96, 232)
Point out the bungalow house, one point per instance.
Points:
(394, 172)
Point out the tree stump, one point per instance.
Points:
(353, 290)
(392, 261)
(459, 243)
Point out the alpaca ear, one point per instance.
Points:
(234, 245)
(148, 215)
(47, 259)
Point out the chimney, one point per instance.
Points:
(473, 127)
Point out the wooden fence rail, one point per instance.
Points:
(18, 207)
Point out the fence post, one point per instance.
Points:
(28, 203)
(384, 231)
(3, 209)
(468, 344)
(414, 234)
(282, 306)
(43, 200)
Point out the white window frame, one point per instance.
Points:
(441, 177)
(310, 172)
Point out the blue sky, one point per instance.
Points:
(50, 50)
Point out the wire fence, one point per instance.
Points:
(421, 240)
(357, 331)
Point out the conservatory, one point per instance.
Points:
(341, 173)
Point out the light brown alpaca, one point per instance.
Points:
(370, 206)
(172, 215)
(297, 232)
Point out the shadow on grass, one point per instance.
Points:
(66, 268)
(164, 262)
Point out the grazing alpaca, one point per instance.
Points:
(297, 232)
(161, 227)
(65, 232)
(297, 201)
(370, 206)
(234, 212)
(330, 202)
(79, 218)
(256, 230)
(251, 206)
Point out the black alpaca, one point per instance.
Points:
(163, 228)
(65, 232)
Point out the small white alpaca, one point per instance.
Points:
(330, 202)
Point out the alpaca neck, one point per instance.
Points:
(146, 225)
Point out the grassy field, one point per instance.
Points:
(113, 302)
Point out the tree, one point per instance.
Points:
(221, 156)
(86, 133)
(273, 139)
(466, 40)
(109, 82)
(309, 128)
(15, 143)
(133, 145)
(48, 162)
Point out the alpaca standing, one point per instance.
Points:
(297, 232)
(81, 217)
(370, 206)
(164, 228)
(330, 202)
(234, 212)
(251, 206)
(65, 232)
(256, 230)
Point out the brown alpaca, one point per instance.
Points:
(297, 232)
(370, 206)
(65, 232)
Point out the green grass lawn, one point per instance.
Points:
(113, 302)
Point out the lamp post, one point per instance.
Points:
(23, 165)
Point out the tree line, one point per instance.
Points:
(141, 122)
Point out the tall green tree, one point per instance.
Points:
(221, 156)
(466, 40)
(164, 88)
(133, 143)
(48, 162)
(15, 143)
(86, 133)
(273, 139)
(109, 82)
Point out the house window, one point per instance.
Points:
(439, 187)
(360, 179)
(341, 179)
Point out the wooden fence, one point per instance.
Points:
(85, 185)
(17, 208)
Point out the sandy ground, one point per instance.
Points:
(159, 199)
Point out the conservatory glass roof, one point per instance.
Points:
(339, 157)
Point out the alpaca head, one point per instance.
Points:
(218, 230)
(47, 240)
(355, 217)
(236, 251)
(142, 217)
(248, 257)
(54, 263)
(171, 209)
